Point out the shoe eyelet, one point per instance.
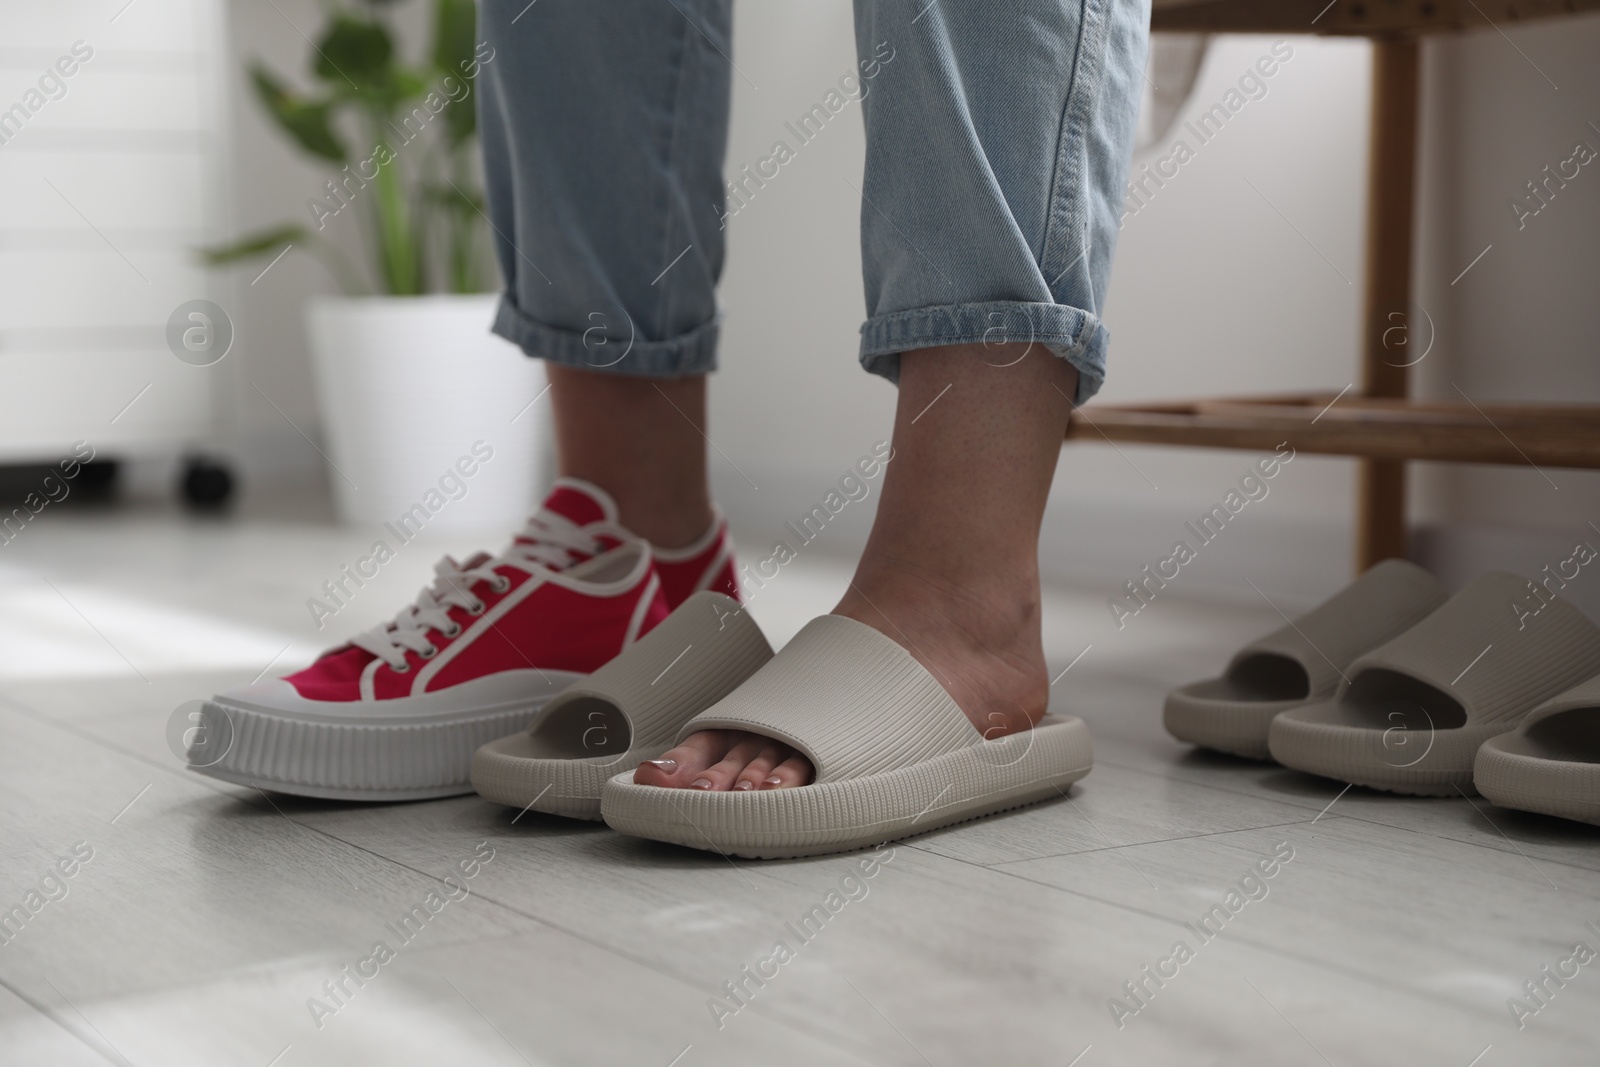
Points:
(454, 631)
(404, 668)
(477, 609)
(500, 584)
(431, 652)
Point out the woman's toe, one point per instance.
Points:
(680, 767)
(723, 760)
(721, 776)
(756, 771)
(796, 770)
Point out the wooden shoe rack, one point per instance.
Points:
(1374, 420)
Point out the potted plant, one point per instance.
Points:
(409, 378)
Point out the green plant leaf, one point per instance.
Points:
(307, 121)
(419, 234)
(265, 241)
(357, 54)
(466, 200)
(411, 83)
(455, 34)
(455, 28)
(254, 244)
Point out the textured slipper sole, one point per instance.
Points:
(862, 812)
(371, 761)
(1236, 727)
(507, 772)
(1518, 779)
(1419, 763)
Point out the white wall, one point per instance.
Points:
(1524, 323)
(791, 406)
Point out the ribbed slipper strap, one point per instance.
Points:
(851, 699)
(1497, 662)
(1582, 696)
(1383, 603)
(693, 657)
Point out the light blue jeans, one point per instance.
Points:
(998, 137)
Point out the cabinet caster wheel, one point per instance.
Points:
(206, 485)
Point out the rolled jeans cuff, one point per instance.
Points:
(597, 349)
(1075, 335)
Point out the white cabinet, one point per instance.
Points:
(109, 179)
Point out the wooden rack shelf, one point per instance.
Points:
(1367, 427)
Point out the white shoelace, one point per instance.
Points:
(548, 542)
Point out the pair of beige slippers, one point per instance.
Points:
(893, 754)
(1394, 685)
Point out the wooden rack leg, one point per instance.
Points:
(1391, 183)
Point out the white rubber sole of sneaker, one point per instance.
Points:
(392, 759)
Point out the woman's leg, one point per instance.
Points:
(998, 136)
(642, 440)
(604, 129)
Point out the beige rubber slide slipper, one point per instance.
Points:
(1551, 763)
(894, 756)
(1412, 713)
(628, 711)
(1300, 662)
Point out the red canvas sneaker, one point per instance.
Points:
(397, 713)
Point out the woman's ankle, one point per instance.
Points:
(981, 640)
(668, 517)
(643, 441)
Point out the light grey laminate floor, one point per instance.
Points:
(208, 921)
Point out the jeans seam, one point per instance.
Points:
(670, 154)
(1088, 64)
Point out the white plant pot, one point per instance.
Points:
(423, 407)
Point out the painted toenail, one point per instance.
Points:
(667, 765)
(701, 783)
(743, 784)
(774, 780)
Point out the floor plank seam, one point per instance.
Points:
(1153, 841)
(70, 1031)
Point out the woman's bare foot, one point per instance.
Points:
(985, 651)
(950, 571)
